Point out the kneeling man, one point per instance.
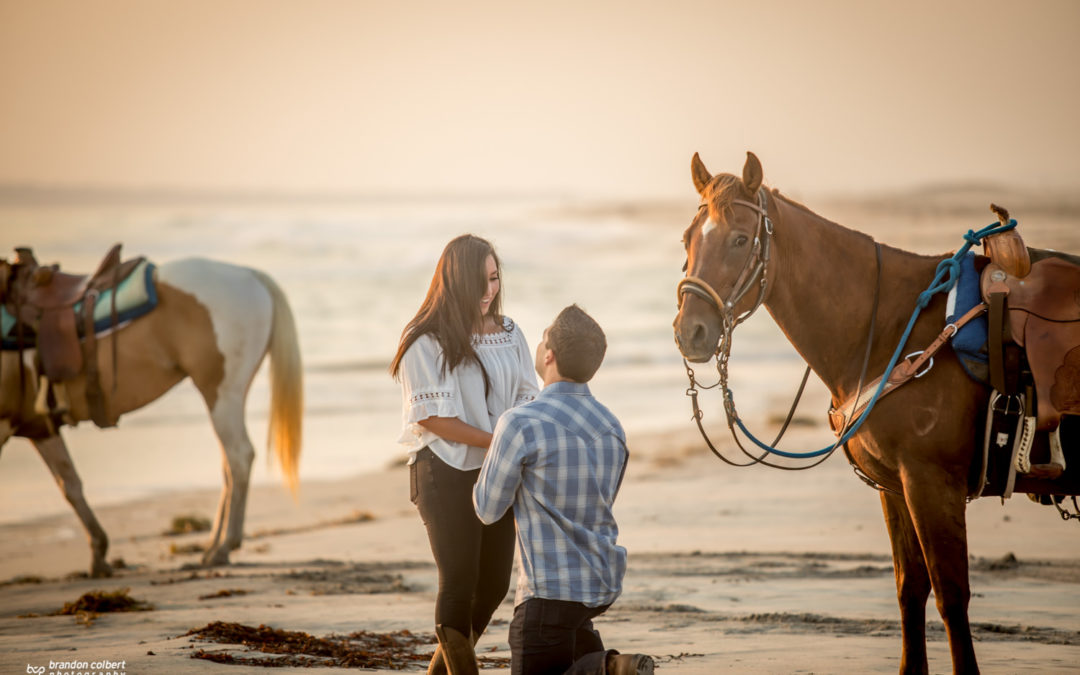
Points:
(559, 462)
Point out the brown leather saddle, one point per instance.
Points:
(1033, 342)
(1041, 314)
(43, 299)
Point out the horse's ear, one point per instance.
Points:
(752, 174)
(700, 174)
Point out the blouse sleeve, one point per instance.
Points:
(526, 389)
(426, 390)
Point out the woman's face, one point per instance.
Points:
(491, 273)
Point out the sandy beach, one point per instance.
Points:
(730, 570)
(338, 146)
(744, 571)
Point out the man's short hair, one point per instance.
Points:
(578, 343)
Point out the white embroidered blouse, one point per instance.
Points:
(426, 391)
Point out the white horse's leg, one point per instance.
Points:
(241, 313)
(228, 419)
(55, 453)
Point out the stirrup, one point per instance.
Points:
(62, 409)
(1022, 462)
(41, 406)
(1056, 466)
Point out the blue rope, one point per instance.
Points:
(945, 277)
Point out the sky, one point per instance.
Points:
(602, 99)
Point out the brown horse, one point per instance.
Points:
(214, 323)
(919, 443)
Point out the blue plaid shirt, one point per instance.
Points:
(559, 461)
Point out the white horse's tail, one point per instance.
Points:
(286, 386)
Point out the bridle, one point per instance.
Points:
(754, 272)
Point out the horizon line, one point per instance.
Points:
(44, 194)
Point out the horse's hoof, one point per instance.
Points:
(100, 570)
(215, 558)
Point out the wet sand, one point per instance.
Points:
(730, 570)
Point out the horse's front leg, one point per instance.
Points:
(912, 582)
(937, 504)
(55, 453)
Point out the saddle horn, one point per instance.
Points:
(24, 255)
(1002, 213)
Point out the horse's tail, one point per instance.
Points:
(286, 385)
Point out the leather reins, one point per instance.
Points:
(755, 267)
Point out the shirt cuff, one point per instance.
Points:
(431, 404)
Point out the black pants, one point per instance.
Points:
(552, 637)
(474, 560)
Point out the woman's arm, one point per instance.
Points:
(453, 429)
(526, 389)
(434, 398)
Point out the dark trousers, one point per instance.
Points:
(474, 560)
(553, 637)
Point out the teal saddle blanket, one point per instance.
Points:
(970, 342)
(135, 297)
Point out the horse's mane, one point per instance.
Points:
(809, 212)
(728, 188)
(791, 202)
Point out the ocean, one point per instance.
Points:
(355, 271)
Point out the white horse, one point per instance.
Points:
(214, 323)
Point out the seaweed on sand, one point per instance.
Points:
(90, 605)
(396, 650)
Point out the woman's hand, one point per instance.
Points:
(453, 429)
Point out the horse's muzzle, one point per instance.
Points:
(695, 338)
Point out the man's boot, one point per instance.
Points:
(457, 652)
(630, 664)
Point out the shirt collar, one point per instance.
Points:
(572, 388)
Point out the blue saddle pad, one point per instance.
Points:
(135, 296)
(969, 343)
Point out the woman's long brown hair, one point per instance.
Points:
(451, 309)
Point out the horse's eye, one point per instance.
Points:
(741, 240)
(686, 265)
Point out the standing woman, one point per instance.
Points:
(461, 364)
